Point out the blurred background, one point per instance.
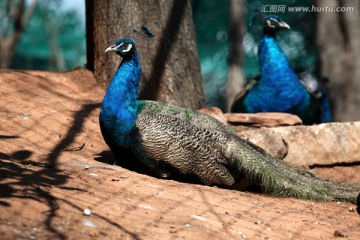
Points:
(212, 24)
(54, 38)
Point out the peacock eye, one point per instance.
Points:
(272, 22)
(126, 47)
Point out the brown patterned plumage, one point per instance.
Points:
(170, 140)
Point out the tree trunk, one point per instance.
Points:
(171, 69)
(338, 39)
(237, 31)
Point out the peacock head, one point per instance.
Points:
(124, 47)
(274, 23)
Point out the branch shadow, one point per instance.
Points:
(20, 181)
(20, 177)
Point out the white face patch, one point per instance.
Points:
(128, 48)
(270, 21)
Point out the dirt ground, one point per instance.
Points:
(54, 165)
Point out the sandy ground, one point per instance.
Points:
(54, 165)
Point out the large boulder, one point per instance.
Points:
(281, 135)
(323, 144)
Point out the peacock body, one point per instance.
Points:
(170, 141)
(278, 89)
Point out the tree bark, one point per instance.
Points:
(237, 30)
(171, 69)
(338, 39)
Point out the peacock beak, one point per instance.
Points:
(284, 25)
(112, 48)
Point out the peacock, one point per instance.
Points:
(278, 89)
(171, 141)
(322, 93)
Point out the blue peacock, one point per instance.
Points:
(171, 141)
(278, 89)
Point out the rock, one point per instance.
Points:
(338, 234)
(270, 119)
(87, 212)
(278, 134)
(215, 112)
(323, 144)
(245, 121)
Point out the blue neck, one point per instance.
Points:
(274, 65)
(119, 108)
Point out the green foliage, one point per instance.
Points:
(5, 22)
(52, 40)
(211, 20)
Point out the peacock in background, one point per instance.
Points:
(319, 86)
(171, 141)
(278, 89)
(322, 93)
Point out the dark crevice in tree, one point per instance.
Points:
(167, 40)
(18, 25)
(89, 4)
(343, 29)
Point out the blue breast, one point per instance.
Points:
(279, 89)
(119, 108)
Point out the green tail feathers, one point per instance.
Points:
(277, 178)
